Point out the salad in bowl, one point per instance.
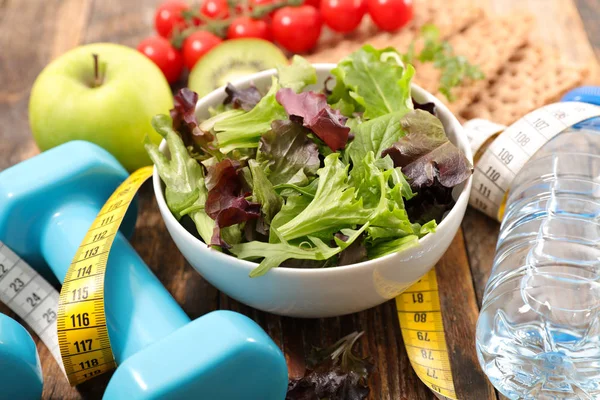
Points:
(315, 170)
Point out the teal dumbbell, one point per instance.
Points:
(20, 370)
(48, 203)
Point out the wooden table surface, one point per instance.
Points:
(33, 32)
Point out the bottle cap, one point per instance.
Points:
(586, 94)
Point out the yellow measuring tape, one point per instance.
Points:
(82, 334)
(420, 317)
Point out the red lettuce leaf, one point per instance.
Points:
(288, 154)
(432, 164)
(430, 203)
(245, 99)
(183, 115)
(226, 202)
(332, 385)
(426, 155)
(312, 110)
(355, 253)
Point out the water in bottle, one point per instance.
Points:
(538, 334)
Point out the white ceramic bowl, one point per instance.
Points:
(322, 292)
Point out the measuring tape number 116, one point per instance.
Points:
(81, 321)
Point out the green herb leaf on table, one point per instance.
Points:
(312, 110)
(335, 374)
(455, 69)
(287, 155)
(375, 80)
(296, 76)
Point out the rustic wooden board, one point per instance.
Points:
(32, 35)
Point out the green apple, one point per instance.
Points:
(110, 103)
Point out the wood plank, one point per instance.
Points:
(481, 235)
(68, 23)
(460, 312)
(589, 10)
(30, 38)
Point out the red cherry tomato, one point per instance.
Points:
(343, 15)
(215, 9)
(196, 45)
(297, 28)
(168, 17)
(246, 27)
(164, 55)
(390, 15)
(315, 3)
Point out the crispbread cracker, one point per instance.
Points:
(449, 16)
(535, 75)
(488, 44)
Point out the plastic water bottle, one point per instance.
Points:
(538, 334)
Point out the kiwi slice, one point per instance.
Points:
(232, 60)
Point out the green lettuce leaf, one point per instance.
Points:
(185, 192)
(273, 254)
(205, 225)
(287, 155)
(263, 192)
(335, 204)
(375, 136)
(370, 183)
(393, 246)
(181, 173)
(290, 189)
(293, 206)
(296, 76)
(244, 130)
(376, 80)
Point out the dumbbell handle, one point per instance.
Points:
(139, 310)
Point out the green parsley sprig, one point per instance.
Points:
(455, 69)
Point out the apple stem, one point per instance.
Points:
(97, 78)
